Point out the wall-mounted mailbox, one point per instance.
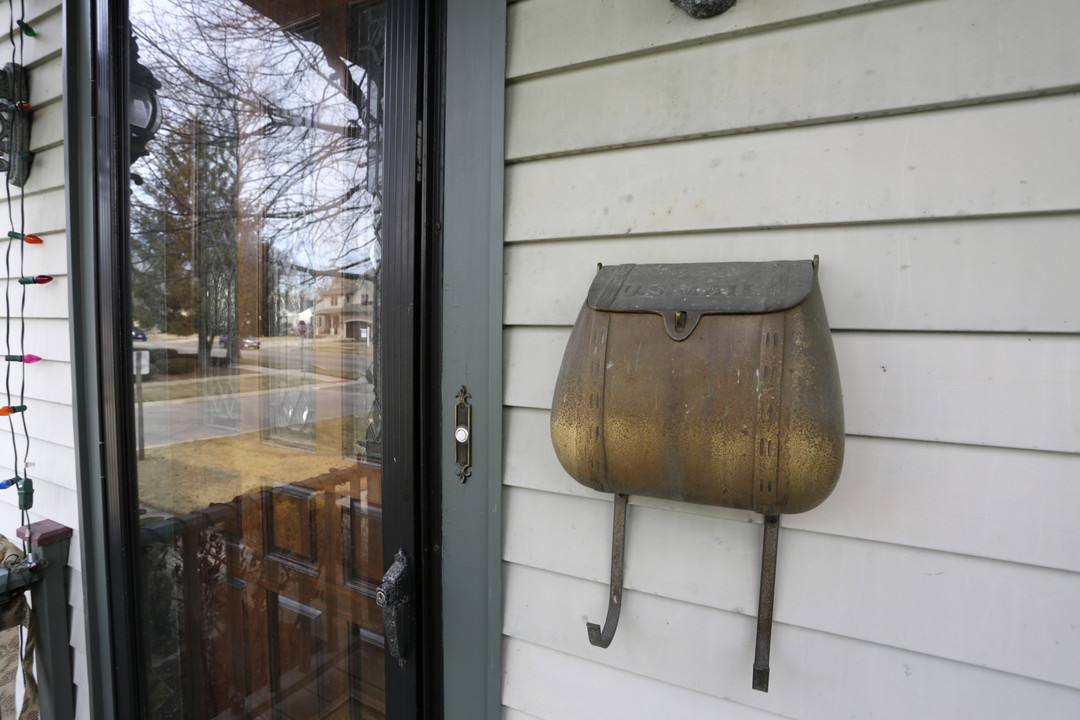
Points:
(712, 383)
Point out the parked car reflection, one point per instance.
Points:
(245, 342)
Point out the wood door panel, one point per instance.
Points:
(277, 601)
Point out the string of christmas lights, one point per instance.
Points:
(17, 406)
(22, 483)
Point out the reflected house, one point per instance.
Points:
(346, 308)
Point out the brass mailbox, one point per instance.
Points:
(711, 383)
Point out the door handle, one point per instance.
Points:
(392, 596)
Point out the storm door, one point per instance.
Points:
(271, 256)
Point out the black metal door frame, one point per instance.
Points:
(411, 297)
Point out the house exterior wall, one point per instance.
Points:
(926, 150)
(49, 416)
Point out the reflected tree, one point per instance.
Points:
(269, 154)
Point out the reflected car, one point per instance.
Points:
(138, 333)
(245, 342)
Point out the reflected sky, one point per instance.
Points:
(286, 124)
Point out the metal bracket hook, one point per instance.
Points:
(765, 602)
(618, 544)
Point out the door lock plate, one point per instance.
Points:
(463, 435)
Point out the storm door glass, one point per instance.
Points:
(255, 234)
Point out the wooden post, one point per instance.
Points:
(49, 543)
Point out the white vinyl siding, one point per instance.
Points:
(48, 383)
(927, 151)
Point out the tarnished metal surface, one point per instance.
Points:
(715, 384)
(704, 8)
(618, 544)
(717, 288)
(392, 595)
(765, 602)
(743, 411)
(463, 434)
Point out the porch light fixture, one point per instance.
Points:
(15, 155)
(144, 112)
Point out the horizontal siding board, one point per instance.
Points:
(815, 676)
(1010, 617)
(43, 212)
(995, 159)
(52, 463)
(1011, 391)
(54, 421)
(74, 579)
(48, 23)
(47, 380)
(46, 338)
(46, 80)
(48, 126)
(78, 633)
(49, 301)
(49, 339)
(576, 689)
(51, 502)
(911, 56)
(1005, 391)
(48, 258)
(543, 35)
(964, 499)
(82, 682)
(46, 173)
(988, 275)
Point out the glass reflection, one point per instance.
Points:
(255, 272)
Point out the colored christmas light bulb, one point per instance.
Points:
(35, 280)
(10, 482)
(21, 106)
(25, 27)
(22, 358)
(11, 409)
(32, 239)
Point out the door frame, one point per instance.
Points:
(472, 355)
(96, 161)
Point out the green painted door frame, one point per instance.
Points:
(472, 356)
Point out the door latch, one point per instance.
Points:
(392, 596)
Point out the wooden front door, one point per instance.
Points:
(273, 258)
(270, 602)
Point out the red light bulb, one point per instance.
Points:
(35, 280)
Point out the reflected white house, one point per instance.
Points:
(346, 308)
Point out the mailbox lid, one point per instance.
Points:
(706, 288)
